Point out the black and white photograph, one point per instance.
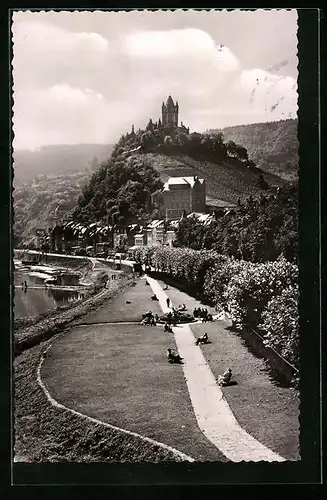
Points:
(155, 236)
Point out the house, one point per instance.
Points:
(158, 232)
(180, 196)
(204, 219)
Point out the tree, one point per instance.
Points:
(122, 189)
(150, 125)
(183, 140)
(262, 183)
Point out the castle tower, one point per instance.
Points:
(170, 113)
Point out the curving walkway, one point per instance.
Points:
(213, 414)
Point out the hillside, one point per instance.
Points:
(72, 177)
(58, 160)
(272, 146)
(35, 201)
(226, 181)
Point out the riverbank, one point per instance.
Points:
(28, 332)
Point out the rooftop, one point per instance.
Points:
(173, 181)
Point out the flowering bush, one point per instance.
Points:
(280, 322)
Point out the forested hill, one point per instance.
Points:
(142, 161)
(59, 160)
(272, 146)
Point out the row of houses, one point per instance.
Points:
(180, 197)
(74, 235)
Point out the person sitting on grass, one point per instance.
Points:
(167, 328)
(175, 317)
(225, 379)
(202, 340)
(172, 357)
(147, 314)
(207, 318)
(148, 320)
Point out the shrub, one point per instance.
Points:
(217, 278)
(249, 291)
(280, 322)
(101, 280)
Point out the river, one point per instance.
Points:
(38, 297)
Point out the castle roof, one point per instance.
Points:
(170, 104)
(170, 101)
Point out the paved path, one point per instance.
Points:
(213, 414)
(161, 295)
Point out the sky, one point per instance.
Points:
(86, 77)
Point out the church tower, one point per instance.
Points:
(170, 113)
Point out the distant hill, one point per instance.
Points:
(272, 146)
(35, 201)
(59, 160)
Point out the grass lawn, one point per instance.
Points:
(266, 411)
(120, 375)
(44, 433)
(116, 308)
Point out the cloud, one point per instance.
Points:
(45, 55)
(166, 44)
(74, 85)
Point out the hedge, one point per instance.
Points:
(256, 295)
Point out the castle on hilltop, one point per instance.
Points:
(168, 120)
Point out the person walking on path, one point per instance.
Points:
(168, 302)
